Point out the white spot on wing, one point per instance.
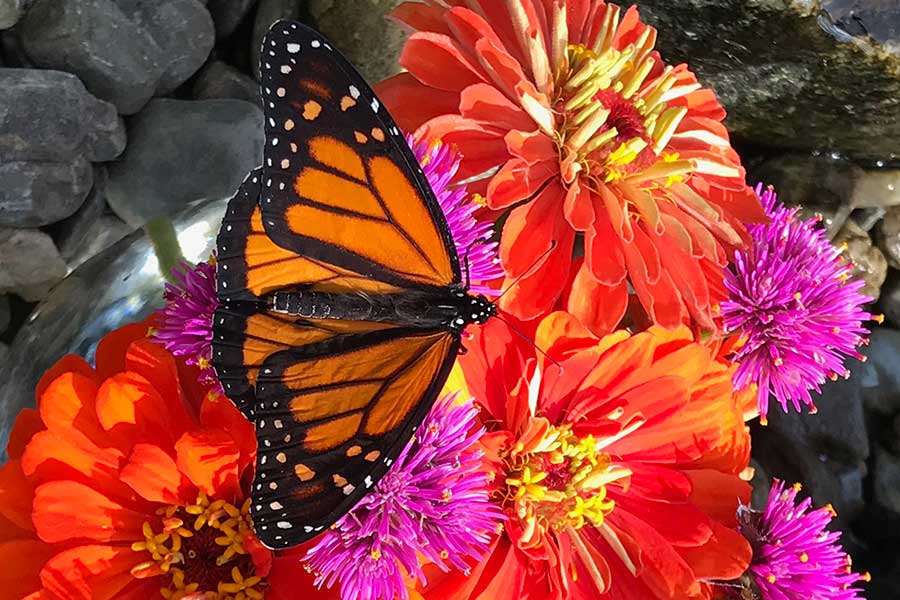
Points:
(293, 48)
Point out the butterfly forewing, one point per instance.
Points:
(336, 166)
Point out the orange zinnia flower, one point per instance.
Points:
(617, 468)
(594, 136)
(130, 481)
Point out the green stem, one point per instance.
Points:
(165, 244)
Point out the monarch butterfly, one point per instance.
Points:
(341, 300)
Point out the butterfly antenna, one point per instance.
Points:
(529, 270)
(519, 333)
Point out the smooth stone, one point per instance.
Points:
(879, 377)
(761, 483)
(181, 151)
(220, 80)
(118, 61)
(50, 115)
(4, 354)
(819, 181)
(827, 450)
(30, 264)
(889, 236)
(121, 285)
(889, 301)
(228, 14)
(370, 40)
(267, 13)
(37, 193)
(182, 29)
(868, 261)
(10, 12)
(788, 73)
(75, 231)
(886, 479)
(879, 188)
(4, 313)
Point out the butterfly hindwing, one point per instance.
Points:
(331, 418)
(340, 183)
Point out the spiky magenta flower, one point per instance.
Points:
(472, 238)
(185, 322)
(434, 504)
(792, 300)
(795, 556)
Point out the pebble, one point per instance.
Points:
(49, 115)
(184, 34)
(878, 377)
(4, 313)
(118, 61)
(30, 264)
(73, 232)
(180, 151)
(220, 80)
(886, 479)
(228, 14)
(877, 188)
(36, 193)
(889, 236)
(10, 12)
(868, 261)
(100, 235)
(889, 301)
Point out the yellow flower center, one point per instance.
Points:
(560, 482)
(617, 125)
(199, 549)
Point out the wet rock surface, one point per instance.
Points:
(793, 73)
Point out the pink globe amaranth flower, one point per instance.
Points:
(434, 504)
(795, 556)
(185, 322)
(793, 302)
(478, 255)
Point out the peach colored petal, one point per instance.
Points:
(70, 511)
(437, 61)
(93, 572)
(153, 474)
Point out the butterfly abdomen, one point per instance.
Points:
(426, 310)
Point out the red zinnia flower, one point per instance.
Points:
(617, 468)
(129, 481)
(595, 136)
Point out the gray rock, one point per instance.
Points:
(889, 301)
(38, 193)
(227, 14)
(73, 232)
(10, 12)
(878, 377)
(99, 235)
(180, 151)
(118, 61)
(30, 265)
(183, 31)
(868, 261)
(788, 72)
(371, 41)
(221, 80)
(4, 313)
(761, 483)
(267, 13)
(886, 479)
(49, 115)
(826, 452)
(4, 353)
(889, 236)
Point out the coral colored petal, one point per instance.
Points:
(469, 27)
(28, 422)
(16, 494)
(438, 62)
(90, 572)
(681, 524)
(209, 459)
(718, 493)
(69, 363)
(599, 306)
(516, 181)
(217, 412)
(155, 364)
(531, 231)
(410, 103)
(98, 518)
(724, 557)
(110, 356)
(22, 561)
(604, 257)
(483, 102)
(130, 408)
(67, 404)
(153, 474)
(578, 207)
(419, 17)
(482, 146)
